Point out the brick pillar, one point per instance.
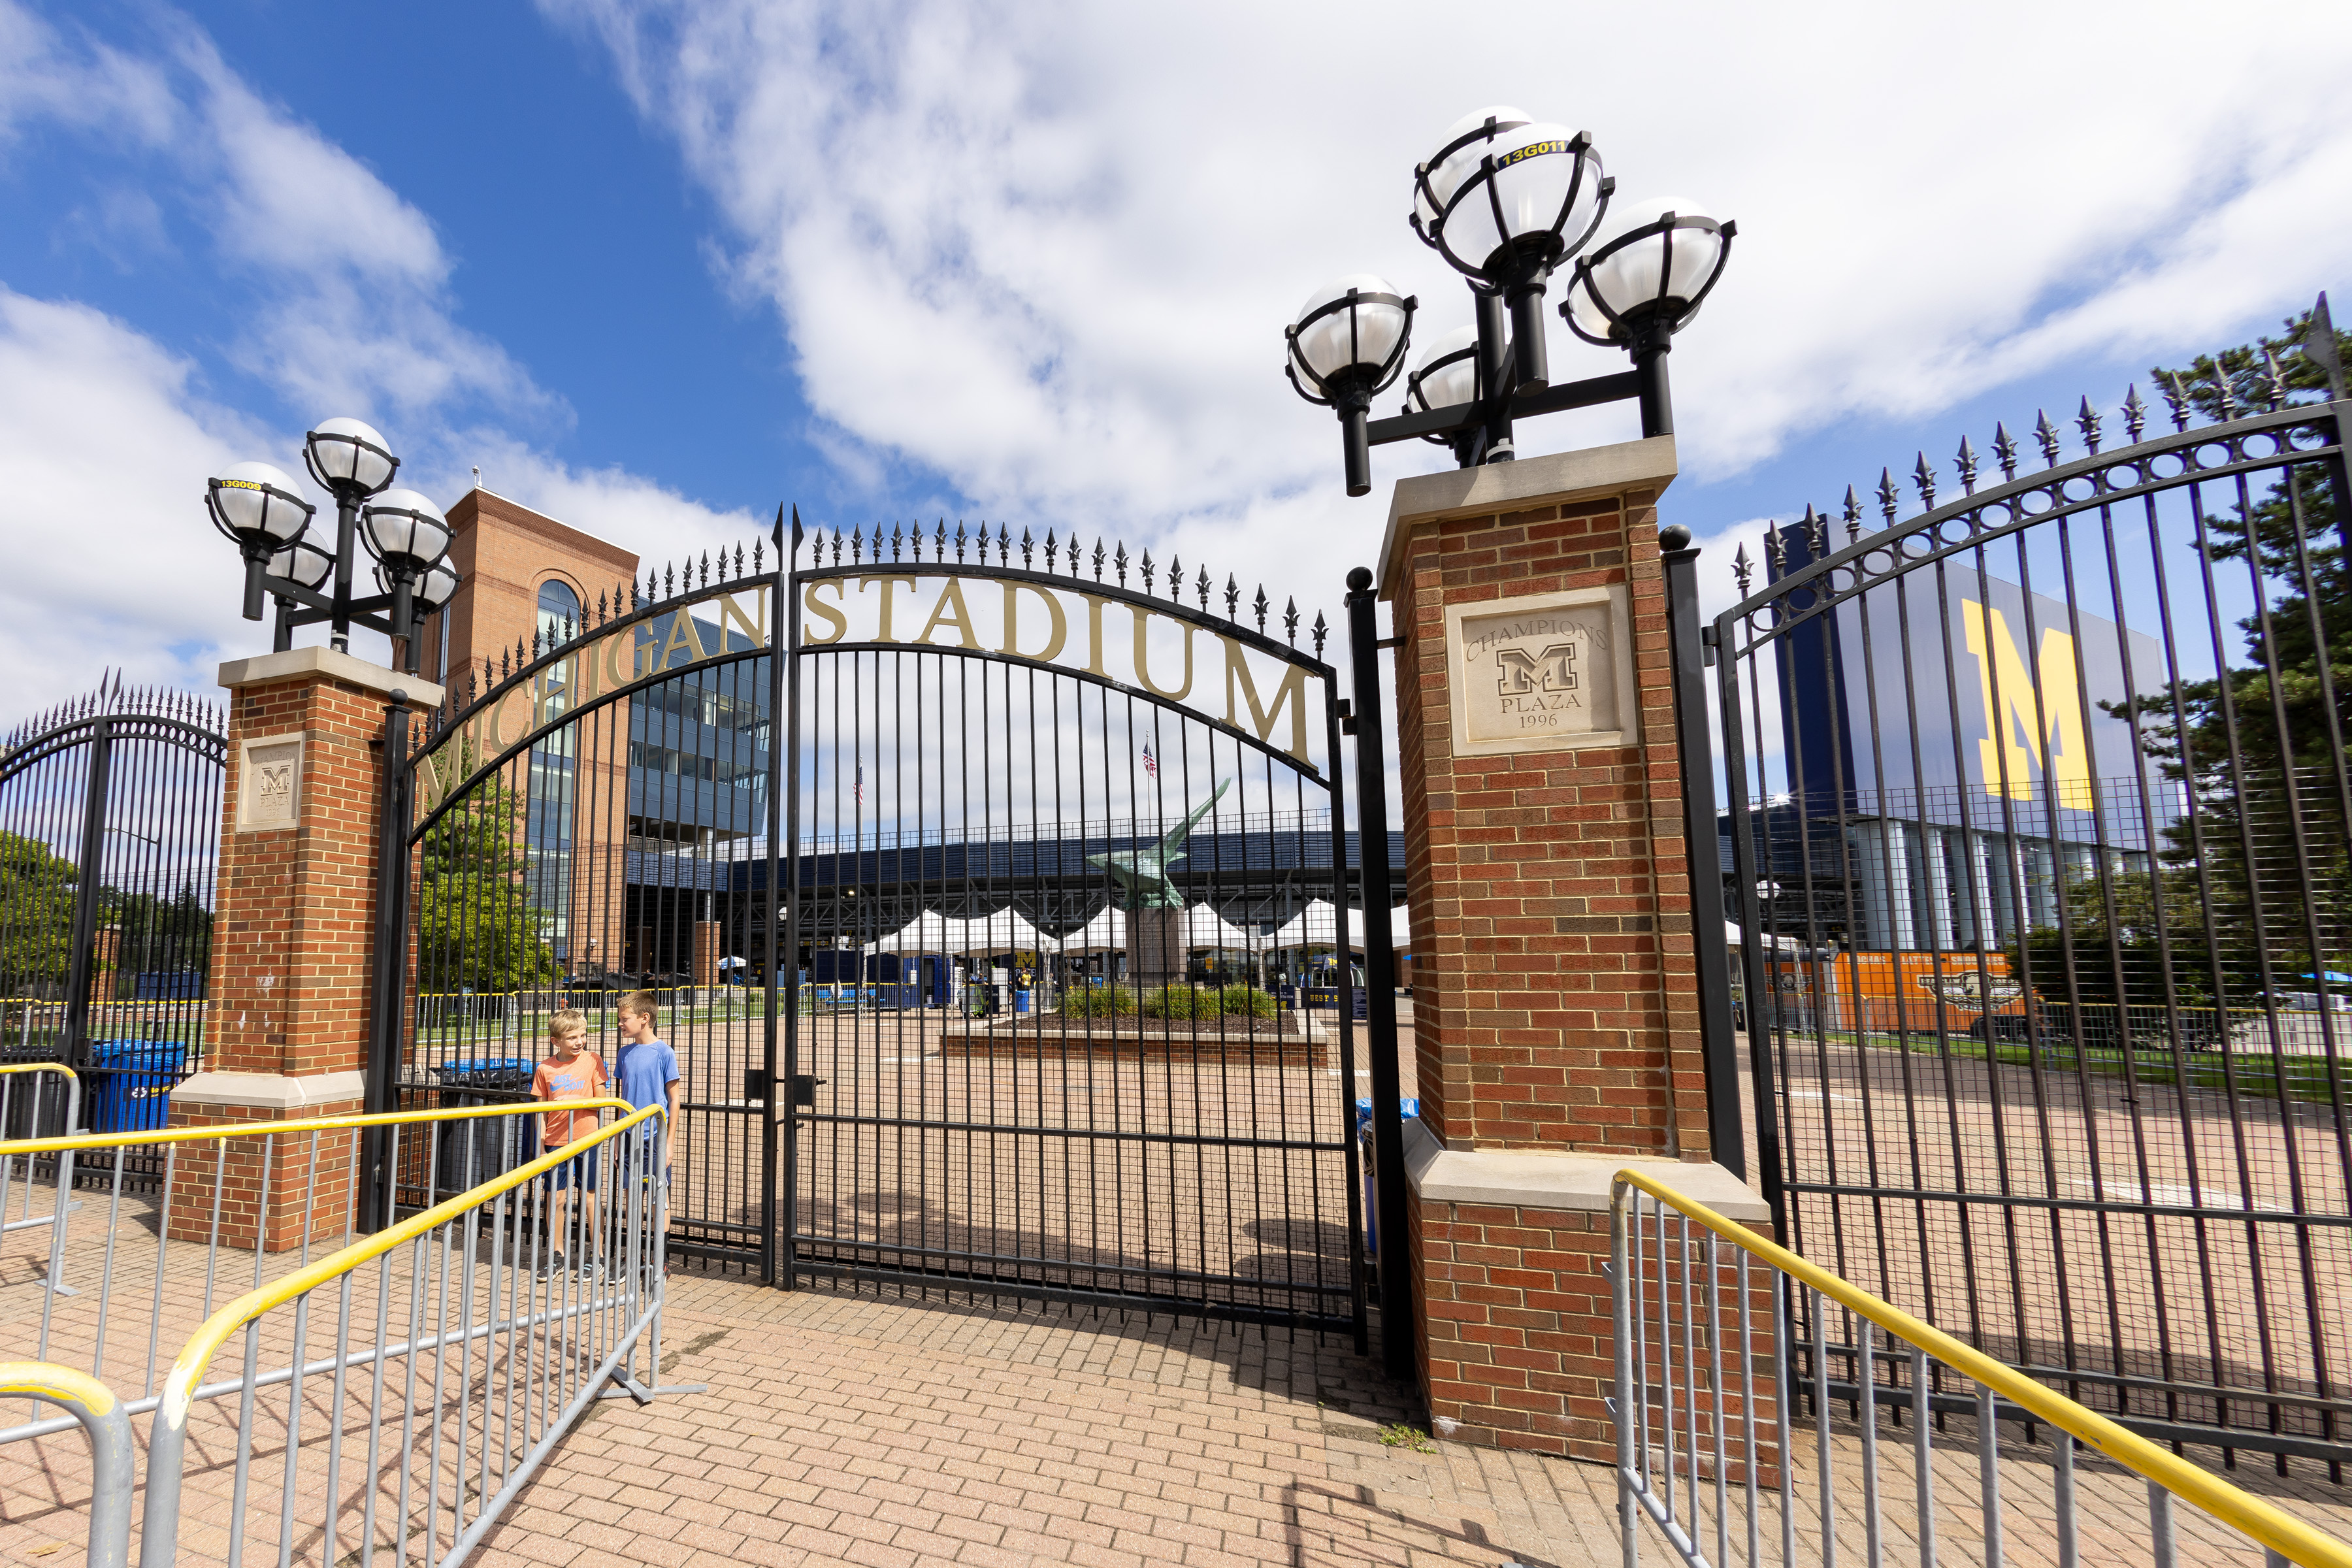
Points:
(710, 943)
(1555, 996)
(286, 1024)
(105, 958)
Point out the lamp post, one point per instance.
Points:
(1509, 201)
(256, 506)
(1346, 346)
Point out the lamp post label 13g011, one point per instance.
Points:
(1540, 672)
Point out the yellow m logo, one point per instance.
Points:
(2023, 726)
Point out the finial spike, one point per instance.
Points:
(2320, 347)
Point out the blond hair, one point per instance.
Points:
(641, 1003)
(562, 1021)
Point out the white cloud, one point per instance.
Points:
(1048, 249)
(625, 508)
(103, 451)
(105, 434)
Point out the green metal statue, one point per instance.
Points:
(1142, 874)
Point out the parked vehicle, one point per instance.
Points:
(2011, 1029)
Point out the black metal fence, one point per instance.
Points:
(2040, 827)
(109, 834)
(1033, 1014)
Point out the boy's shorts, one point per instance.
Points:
(585, 1167)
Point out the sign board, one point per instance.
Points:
(269, 784)
(1542, 672)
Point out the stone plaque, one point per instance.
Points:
(1542, 672)
(269, 784)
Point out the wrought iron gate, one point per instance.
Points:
(1072, 863)
(109, 834)
(1057, 994)
(2039, 841)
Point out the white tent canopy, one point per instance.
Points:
(1204, 928)
(1314, 927)
(1777, 944)
(1003, 931)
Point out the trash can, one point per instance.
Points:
(1408, 1109)
(478, 1148)
(36, 1101)
(129, 1086)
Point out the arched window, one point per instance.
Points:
(557, 605)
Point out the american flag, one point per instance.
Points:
(1150, 762)
(861, 784)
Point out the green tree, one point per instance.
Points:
(2259, 744)
(36, 908)
(159, 934)
(477, 927)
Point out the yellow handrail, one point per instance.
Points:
(187, 1371)
(313, 1124)
(57, 1383)
(36, 1066)
(2273, 1527)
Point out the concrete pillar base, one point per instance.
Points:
(1513, 1291)
(307, 1176)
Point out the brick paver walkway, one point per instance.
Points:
(847, 1428)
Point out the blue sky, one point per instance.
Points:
(655, 269)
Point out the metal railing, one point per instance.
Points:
(113, 1460)
(1710, 1413)
(487, 1323)
(537, 1298)
(169, 1245)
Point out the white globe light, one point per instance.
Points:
(302, 563)
(1331, 343)
(1664, 271)
(1458, 152)
(1448, 374)
(348, 452)
(433, 589)
(258, 503)
(404, 527)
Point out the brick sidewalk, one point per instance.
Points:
(842, 1428)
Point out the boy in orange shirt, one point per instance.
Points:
(572, 1071)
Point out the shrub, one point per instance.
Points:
(1168, 1002)
(1098, 1001)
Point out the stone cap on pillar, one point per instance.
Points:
(296, 664)
(1557, 1180)
(1562, 477)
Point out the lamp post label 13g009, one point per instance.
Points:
(1540, 672)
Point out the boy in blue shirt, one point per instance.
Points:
(645, 1072)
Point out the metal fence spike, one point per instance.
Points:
(2045, 436)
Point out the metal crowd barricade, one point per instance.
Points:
(61, 1205)
(112, 1456)
(1733, 1454)
(467, 1341)
(147, 1283)
(481, 1299)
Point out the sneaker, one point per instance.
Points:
(551, 1264)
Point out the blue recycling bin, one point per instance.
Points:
(130, 1083)
(1408, 1109)
(480, 1148)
